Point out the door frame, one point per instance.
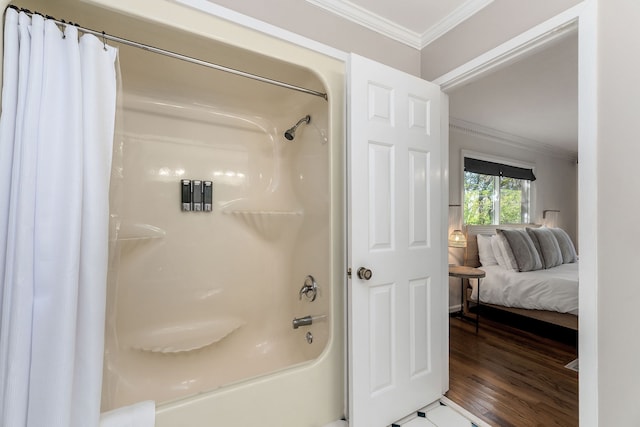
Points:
(581, 18)
(527, 43)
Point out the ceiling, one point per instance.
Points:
(533, 101)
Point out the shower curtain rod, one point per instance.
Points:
(175, 55)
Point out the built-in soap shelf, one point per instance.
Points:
(131, 236)
(187, 337)
(138, 232)
(268, 224)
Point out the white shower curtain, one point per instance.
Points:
(56, 136)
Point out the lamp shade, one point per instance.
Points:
(457, 239)
(550, 217)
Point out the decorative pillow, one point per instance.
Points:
(508, 259)
(485, 251)
(524, 251)
(569, 254)
(547, 246)
(497, 251)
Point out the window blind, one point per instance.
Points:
(497, 169)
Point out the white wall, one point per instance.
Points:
(556, 186)
(613, 204)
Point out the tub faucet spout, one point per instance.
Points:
(302, 321)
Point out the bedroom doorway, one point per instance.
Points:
(545, 36)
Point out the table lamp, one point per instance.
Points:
(457, 239)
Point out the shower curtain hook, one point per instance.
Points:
(64, 28)
(104, 41)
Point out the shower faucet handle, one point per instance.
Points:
(309, 289)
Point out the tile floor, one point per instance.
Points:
(439, 416)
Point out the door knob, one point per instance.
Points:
(364, 273)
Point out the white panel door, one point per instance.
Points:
(396, 331)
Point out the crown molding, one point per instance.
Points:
(370, 20)
(455, 18)
(516, 141)
(392, 30)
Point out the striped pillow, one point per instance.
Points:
(524, 251)
(547, 246)
(569, 254)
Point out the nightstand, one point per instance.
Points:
(464, 272)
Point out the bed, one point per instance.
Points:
(547, 293)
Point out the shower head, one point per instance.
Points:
(291, 133)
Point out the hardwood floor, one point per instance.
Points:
(510, 377)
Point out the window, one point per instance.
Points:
(496, 193)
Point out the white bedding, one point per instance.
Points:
(554, 289)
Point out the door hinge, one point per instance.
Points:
(349, 272)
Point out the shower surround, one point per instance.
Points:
(201, 304)
(200, 300)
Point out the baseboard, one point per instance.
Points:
(455, 308)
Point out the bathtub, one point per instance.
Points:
(201, 304)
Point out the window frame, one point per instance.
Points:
(496, 159)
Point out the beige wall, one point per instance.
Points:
(617, 203)
(495, 24)
(316, 23)
(447, 52)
